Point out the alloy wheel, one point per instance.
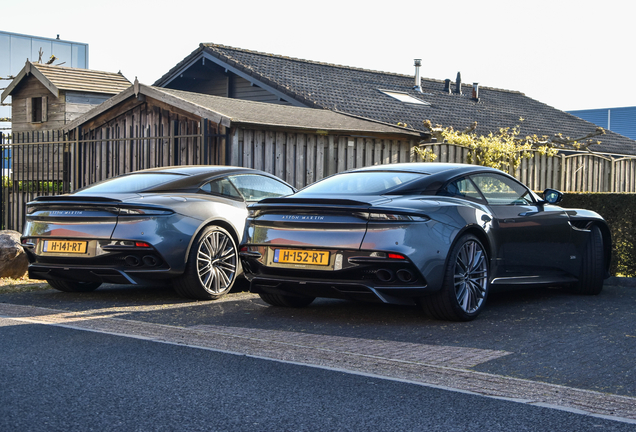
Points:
(216, 262)
(471, 276)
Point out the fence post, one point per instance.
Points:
(612, 177)
(562, 172)
(205, 137)
(176, 153)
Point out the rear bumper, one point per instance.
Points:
(118, 265)
(97, 274)
(395, 281)
(404, 295)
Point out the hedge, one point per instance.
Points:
(619, 210)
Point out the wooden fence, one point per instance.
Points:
(50, 164)
(568, 172)
(301, 159)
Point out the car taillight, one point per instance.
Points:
(396, 217)
(143, 212)
(396, 256)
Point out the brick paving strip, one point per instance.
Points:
(436, 366)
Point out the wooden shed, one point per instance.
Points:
(46, 97)
(146, 126)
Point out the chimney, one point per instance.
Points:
(417, 87)
(476, 91)
(447, 88)
(458, 83)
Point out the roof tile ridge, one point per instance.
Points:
(213, 45)
(59, 68)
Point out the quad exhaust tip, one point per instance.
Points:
(405, 276)
(385, 275)
(148, 261)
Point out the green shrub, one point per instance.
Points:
(33, 185)
(619, 210)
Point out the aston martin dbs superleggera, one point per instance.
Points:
(439, 235)
(173, 224)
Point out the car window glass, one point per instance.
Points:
(462, 188)
(221, 187)
(360, 183)
(129, 183)
(257, 187)
(502, 190)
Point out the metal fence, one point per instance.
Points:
(49, 163)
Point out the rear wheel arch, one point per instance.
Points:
(481, 236)
(212, 265)
(466, 281)
(220, 223)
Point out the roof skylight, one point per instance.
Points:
(404, 97)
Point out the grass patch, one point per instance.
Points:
(23, 284)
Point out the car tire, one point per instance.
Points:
(211, 267)
(286, 300)
(73, 286)
(465, 286)
(592, 265)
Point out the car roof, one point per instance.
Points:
(430, 168)
(193, 170)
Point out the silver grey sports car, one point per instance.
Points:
(174, 224)
(439, 235)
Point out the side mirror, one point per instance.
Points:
(552, 196)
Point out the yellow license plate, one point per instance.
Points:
(289, 256)
(65, 246)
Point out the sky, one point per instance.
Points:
(568, 54)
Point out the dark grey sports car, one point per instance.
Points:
(439, 235)
(173, 224)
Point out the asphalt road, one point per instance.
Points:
(144, 359)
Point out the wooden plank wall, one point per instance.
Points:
(579, 172)
(303, 158)
(142, 138)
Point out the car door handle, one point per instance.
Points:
(530, 213)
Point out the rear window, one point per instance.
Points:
(129, 183)
(360, 183)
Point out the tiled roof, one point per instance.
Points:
(84, 80)
(357, 92)
(56, 78)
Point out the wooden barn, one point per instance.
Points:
(46, 97)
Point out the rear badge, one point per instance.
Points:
(303, 218)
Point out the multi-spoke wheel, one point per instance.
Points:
(465, 288)
(212, 265)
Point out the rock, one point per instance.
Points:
(13, 260)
